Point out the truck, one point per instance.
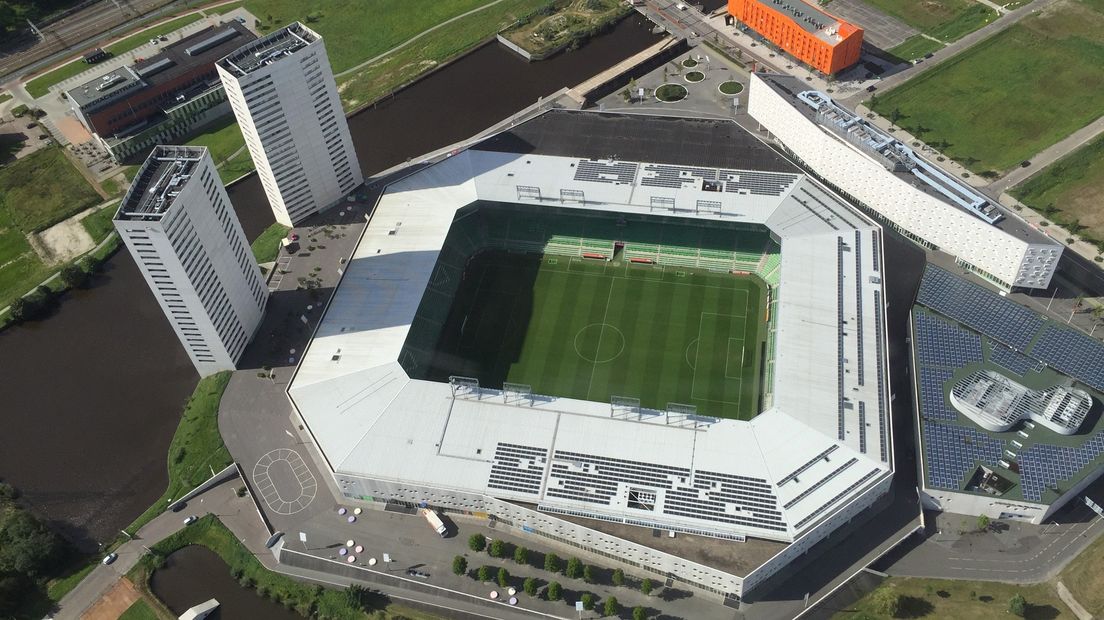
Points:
(435, 522)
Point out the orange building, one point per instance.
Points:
(809, 34)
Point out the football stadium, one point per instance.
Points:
(1008, 401)
(595, 328)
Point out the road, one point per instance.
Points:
(70, 35)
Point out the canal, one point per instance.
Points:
(92, 394)
(195, 574)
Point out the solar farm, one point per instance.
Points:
(962, 331)
(534, 310)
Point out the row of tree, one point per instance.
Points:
(42, 300)
(29, 553)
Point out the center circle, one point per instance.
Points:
(599, 343)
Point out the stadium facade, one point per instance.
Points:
(283, 93)
(600, 477)
(1008, 403)
(894, 184)
(181, 229)
(807, 32)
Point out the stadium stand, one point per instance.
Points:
(951, 452)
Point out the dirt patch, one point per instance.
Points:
(113, 603)
(63, 241)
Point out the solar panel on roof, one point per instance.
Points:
(978, 308)
(951, 452)
(1073, 353)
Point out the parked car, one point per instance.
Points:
(109, 558)
(417, 573)
(190, 520)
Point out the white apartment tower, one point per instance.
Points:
(179, 226)
(285, 99)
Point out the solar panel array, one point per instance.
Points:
(979, 308)
(735, 181)
(710, 496)
(933, 404)
(762, 183)
(950, 452)
(942, 343)
(606, 172)
(1043, 466)
(1010, 360)
(675, 177)
(518, 468)
(1073, 353)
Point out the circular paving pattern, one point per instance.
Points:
(599, 343)
(284, 481)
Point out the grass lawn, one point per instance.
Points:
(211, 533)
(267, 245)
(141, 38)
(1084, 577)
(571, 21)
(42, 189)
(384, 76)
(111, 187)
(58, 588)
(1071, 190)
(947, 20)
(942, 598)
(196, 447)
(99, 224)
(140, 610)
(40, 86)
(1012, 95)
(222, 138)
(916, 47)
(4, 97)
(591, 330)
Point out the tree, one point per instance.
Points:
(639, 613)
(574, 568)
(521, 555)
(588, 573)
(646, 586)
(73, 276)
(588, 601)
(497, 548)
(357, 596)
(477, 542)
(554, 591)
(484, 573)
(530, 586)
(983, 523)
(1017, 605)
(503, 577)
(886, 601)
(610, 607)
(459, 565)
(26, 545)
(552, 563)
(618, 577)
(895, 115)
(873, 100)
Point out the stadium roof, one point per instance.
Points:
(823, 441)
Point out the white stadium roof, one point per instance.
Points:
(823, 440)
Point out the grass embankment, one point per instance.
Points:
(946, 20)
(307, 600)
(196, 448)
(915, 47)
(564, 23)
(40, 86)
(140, 610)
(98, 225)
(1071, 192)
(1084, 577)
(1012, 95)
(59, 587)
(944, 598)
(38, 191)
(267, 245)
(223, 139)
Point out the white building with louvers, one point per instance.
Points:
(283, 94)
(180, 227)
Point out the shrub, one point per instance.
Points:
(503, 577)
(19, 110)
(1017, 605)
(73, 276)
(574, 568)
(530, 586)
(497, 548)
(646, 586)
(588, 601)
(554, 591)
(484, 573)
(521, 555)
(588, 573)
(459, 565)
(886, 601)
(477, 542)
(552, 563)
(618, 577)
(240, 492)
(639, 613)
(610, 607)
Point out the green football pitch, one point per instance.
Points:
(586, 329)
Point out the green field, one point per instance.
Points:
(1012, 95)
(916, 47)
(43, 189)
(140, 610)
(944, 598)
(947, 20)
(590, 330)
(1071, 192)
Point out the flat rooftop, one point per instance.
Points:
(201, 49)
(810, 18)
(159, 181)
(268, 49)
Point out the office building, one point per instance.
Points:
(181, 229)
(808, 33)
(283, 93)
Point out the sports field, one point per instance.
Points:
(590, 330)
